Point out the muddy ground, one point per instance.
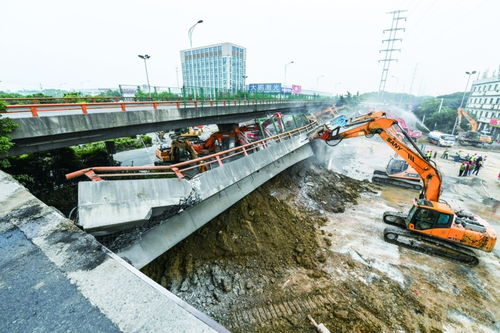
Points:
(309, 242)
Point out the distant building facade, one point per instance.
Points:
(220, 66)
(484, 104)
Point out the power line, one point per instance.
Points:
(388, 47)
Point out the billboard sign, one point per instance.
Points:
(296, 89)
(286, 90)
(128, 90)
(264, 88)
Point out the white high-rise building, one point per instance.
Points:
(484, 103)
(219, 66)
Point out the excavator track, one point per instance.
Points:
(381, 177)
(395, 218)
(428, 245)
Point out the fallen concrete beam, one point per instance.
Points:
(120, 204)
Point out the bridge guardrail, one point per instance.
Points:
(179, 169)
(84, 108)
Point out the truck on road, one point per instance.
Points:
(441, 139)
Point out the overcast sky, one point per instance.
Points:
(93, 44)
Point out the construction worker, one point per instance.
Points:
(461, 169)
(479, 164)
(445, 154)
(467, 168)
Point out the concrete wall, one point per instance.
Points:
(50, 132)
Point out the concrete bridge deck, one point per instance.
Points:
(173, 208)
(44, 127)
(56, 278)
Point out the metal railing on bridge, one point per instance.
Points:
(190, 167)
(85, 108)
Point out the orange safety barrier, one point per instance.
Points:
(178, 168)
(34, 109)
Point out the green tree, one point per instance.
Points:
(442, 121)
(7, 125)
(445, 119)
(73, 97)
(349, 99)
(43, 173)
(110, 93)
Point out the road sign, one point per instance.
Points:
(264, 88)
(296, 89)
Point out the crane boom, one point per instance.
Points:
(382, 126)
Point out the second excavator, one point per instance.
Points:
(431, 226)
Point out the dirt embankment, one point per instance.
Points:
(267, 263)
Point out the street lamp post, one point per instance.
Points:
(190, 35)
(244, 86)
(146, 57)
(286, 65)
(463, 98)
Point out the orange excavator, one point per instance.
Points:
(174, 153)
(431, 226)
(472, 137)
(185, 147)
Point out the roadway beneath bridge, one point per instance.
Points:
(57, 129)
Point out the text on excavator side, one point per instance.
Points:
(394, 143)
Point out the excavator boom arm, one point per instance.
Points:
(472, 122)
(382, 126)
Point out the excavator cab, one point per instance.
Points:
(396, 166)
(423, 218)
(398, 173)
